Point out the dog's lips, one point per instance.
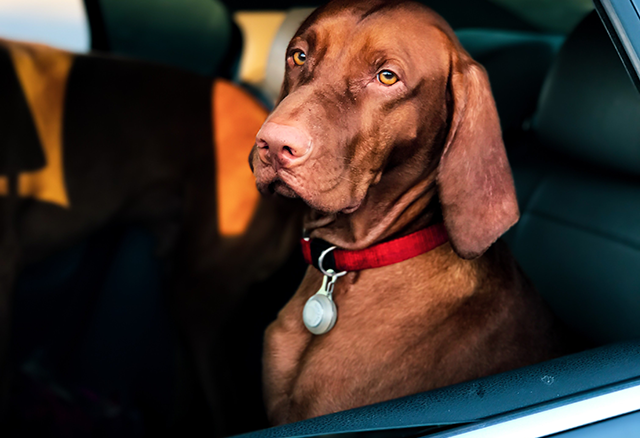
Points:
(286, 182)
(351, 208)
(281, 188)
(269, 182)
(280, 185)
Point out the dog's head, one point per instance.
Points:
(383, 89)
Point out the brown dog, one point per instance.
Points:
(385, 126)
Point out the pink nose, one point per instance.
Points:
(282, 145)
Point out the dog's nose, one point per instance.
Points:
(283, 145)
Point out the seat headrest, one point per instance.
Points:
(191, 34)
(275, 63)
(589, 107)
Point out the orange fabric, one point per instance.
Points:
(237, 118)
(43, 72)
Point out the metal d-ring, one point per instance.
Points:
(330, 273)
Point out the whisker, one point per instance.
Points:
(347, 179)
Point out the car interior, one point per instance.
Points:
(569, 115)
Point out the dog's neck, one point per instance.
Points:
(398, 205)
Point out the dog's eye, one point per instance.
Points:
(387, 77)
(299, 57)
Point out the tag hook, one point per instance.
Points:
(330, 273)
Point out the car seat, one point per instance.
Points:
(460, 13)
(196, 35)
(92, 347)
(94, 316)
(517, 63)
(577, 175)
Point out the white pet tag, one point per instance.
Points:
(320, 313)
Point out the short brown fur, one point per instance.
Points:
(384, 162)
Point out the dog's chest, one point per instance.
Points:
(381, 347)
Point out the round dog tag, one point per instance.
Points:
(319, 314)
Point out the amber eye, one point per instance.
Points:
(299, 57)
(387, 77)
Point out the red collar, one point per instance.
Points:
(383, 254)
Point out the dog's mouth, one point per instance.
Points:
(279, 187)
(351, 208)
(326, 192)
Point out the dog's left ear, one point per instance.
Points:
(474, 179)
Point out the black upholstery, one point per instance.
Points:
(589, 107)
(517, 63)
(92, 341)
(192, 34)
(459, 14)
(577, 180)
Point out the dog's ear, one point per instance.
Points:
(474, 179)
